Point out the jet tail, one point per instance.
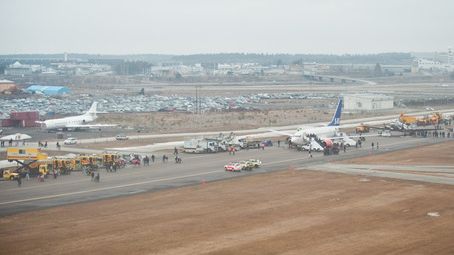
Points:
(335, 121)
(92, 110)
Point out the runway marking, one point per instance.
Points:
(109, 188)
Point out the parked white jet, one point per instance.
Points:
(75, 122)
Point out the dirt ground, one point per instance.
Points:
(288, 212)
(437, 154)
(183, 122)
(175, 122)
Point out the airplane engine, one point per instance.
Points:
(328, 143)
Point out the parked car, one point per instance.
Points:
(233, 167)
(121, 137)
(255, 162)
(70, 141)
(246, 165)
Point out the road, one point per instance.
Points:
(196, 169)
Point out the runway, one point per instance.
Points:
(195, 170)
(431, 174)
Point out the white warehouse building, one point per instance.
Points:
(368, 102)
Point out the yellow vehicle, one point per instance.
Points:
(9, 175)
(31, 159)
(66, 165)
(362, 128)
(108, 159)
(91, 161)
(433, 119)
(43, 169)
(75, 164)
(15, 153)
(407, 119)
(40, 167)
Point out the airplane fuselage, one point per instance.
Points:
(301, 137)
(68, 121)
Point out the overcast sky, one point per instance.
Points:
(212, 26)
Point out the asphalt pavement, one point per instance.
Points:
(195, 170)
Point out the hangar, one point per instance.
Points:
(48, 90)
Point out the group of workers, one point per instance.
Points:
(10, 142)
(146, 160)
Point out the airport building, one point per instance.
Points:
(367, 102)
(48, 90)
(18, 69)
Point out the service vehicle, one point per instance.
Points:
(10, 175)
(204, 145)
(246, 165)
(362, 128)
(121, 137)
(31, 160)
(70, 141)
(255, 162)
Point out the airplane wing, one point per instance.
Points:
(281, 132)
(91, 126)
(347, 136)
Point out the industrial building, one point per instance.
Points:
(48, 90)
(18, 69)
(7, 86)
(368, 102)
(21, 119)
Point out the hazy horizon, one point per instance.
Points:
(179, 27)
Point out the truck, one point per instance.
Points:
(200, 146)
(31, 160)
(248, 143)
(92, 162)
(433, 119)
(362, 128)
(9, 175)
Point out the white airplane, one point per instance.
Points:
(306, 135)
(75, 122)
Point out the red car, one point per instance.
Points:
(233, 167)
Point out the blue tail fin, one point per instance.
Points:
(335, 121)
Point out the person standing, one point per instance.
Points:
(373, 145)
(377, 145)
(19, 180)
(152, 158)
(278, 143)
